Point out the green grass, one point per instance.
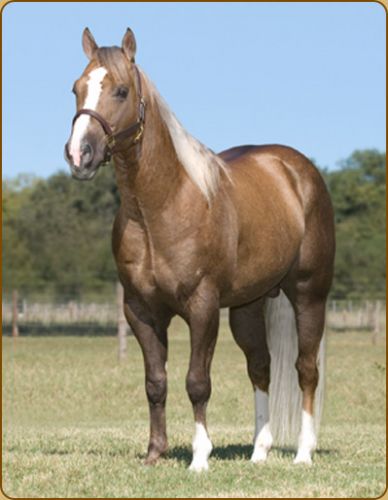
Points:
(75, 424)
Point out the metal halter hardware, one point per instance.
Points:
(134, 131)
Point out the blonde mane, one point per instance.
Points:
(202, 165)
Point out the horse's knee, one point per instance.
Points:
(156, 388)
(198, 388)
(307, 372)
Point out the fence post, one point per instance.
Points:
(15, 327)
(376, 325)
(121, 323)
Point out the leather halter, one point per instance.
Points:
(134, 131)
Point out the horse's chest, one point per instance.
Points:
(136, 277)
(157, 280)
(132, 256)
(143, 272)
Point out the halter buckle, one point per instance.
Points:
(142, 106)
(110, 141)
(139, 134)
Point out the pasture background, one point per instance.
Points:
(75, 423)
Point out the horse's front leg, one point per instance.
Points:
(203, 321)
(151, 334)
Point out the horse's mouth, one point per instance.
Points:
(84, 172)
(83, 175)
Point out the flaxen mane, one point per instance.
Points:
(202, 165)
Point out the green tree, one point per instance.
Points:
(358, 193)
(17, 267)
(62, 229)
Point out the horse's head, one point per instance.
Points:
(110, 108)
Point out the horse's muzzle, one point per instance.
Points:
(87, 167)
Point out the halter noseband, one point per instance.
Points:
(134, 131)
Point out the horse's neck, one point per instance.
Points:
(149, 174)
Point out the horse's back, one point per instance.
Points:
(303, 177)
(238, 152)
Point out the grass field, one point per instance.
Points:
(75, 424)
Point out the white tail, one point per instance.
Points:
(285, 396)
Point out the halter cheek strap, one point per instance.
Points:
(133, 132)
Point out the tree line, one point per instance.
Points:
(56, 232)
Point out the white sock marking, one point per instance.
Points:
(94, 87)
(263, 437)
(307, 440)
(202, 448)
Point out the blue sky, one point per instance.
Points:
(310, 75)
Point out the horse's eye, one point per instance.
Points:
(74, 90)
(121, 93)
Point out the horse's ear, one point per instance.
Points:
(88, 43)
(129, 45)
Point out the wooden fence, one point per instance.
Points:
(356, 315)
(107, 318)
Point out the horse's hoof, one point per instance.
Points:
(150, 460)
(303, 458)
(154, 453)
(199, 466)
(259, 456)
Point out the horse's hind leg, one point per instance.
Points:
(310, 318)
(307, 286)
(248, 328)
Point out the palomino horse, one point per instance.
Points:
(198, 231)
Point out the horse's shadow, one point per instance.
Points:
(235, 452)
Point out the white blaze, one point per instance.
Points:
(94, 87)
(263, 436)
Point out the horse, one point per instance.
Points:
(198, 231)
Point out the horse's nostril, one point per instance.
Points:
(68, 156)
(86, 149)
